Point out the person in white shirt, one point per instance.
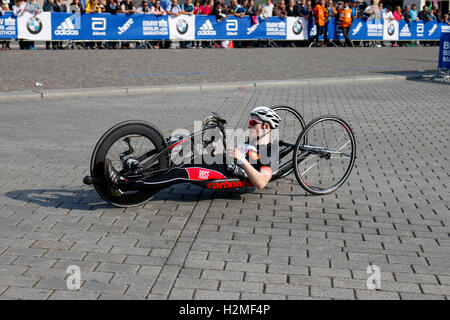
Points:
(19, 8)
(268, 7)
(387, 14)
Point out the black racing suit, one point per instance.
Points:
(198, 172)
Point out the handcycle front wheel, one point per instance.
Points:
(324, 163)
(145, 140)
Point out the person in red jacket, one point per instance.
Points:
(320, 18)
(346, 19)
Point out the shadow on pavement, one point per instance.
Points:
(83, 199)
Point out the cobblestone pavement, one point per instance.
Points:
(20, 70)
(188, 243)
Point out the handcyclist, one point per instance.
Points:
(253, 161)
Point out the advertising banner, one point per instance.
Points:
(444, 51)
(101, 27)
(390, 30)
(297, 28)
(182, 27)
(35, 27)
(8, 26)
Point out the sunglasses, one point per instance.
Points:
(253, 123)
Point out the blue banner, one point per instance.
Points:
(8, 26)
(234, 28)
(444, 51)
(109, 27)
(102, 27)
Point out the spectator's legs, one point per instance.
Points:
(346, 31)
(316, 37)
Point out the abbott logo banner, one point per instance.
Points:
(98, 26)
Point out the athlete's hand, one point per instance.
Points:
(235, 153)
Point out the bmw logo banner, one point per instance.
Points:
(38, 27)
(390, 30)
(296, 28)
(182, 27)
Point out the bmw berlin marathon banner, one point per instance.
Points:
(98, 27)
(8, 26)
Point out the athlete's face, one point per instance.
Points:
(256, 128)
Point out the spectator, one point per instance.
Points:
(19, 8)
(112, 7)
(127, 7)
(34, 8)
(406, 14)
(280, 10)
(165, 4)
(303, 10)
(58, 6)
(413, 13)
(243, 8)
(445, 19)
(219, 11)
(361, 7)
(49, 7)
(187, 8)
(157, 9)
(355, 9)
(346, 23)
(102, 6)
(207, 7)
(435, 14)
(250, 9)
(143, 8)
(387, 14)
(4, 8)
(320, 18)
(235, 9)
(92, 6)
(268, 8)
(174, 9)
(398, 15)
(75, 7)
(331, 13)
(291, 12)
(373, 12)
(424, 15)
(197, 7)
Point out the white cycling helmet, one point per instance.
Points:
(267, 115)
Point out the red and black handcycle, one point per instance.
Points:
(320, 154)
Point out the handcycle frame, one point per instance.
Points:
(156, 163)
(233, 182)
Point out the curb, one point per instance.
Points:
(108, 91)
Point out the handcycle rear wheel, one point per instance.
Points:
(324, 163)
(144, 138)
(291, 123)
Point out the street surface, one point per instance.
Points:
(68, 69)
(189, 243)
